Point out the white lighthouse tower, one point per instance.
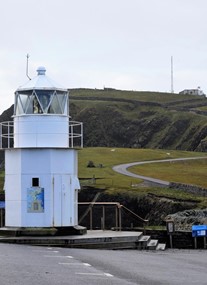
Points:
(41, 180)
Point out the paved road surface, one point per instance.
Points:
(32, 265)
(122, 168)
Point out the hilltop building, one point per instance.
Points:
(197, 91)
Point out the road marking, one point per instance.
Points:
(94, 274)
(59, 256)
(86, 264)
(37, 250)
(72, 263)
(108, 275)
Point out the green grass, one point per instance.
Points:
(203, 108)
(189, 172)
(117, 184)
(109, 157)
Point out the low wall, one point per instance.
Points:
(192, 189)
(180, 239)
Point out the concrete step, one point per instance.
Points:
(152, 244)
(143, 241)
(161, 246)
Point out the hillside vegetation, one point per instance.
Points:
(141, 119)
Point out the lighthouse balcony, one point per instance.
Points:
(15, 135)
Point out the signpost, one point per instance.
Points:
(199, 231)
(170, 230)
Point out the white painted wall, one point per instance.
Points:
(57, 173)
(41, 131)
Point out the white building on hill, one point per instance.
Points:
(197, 91)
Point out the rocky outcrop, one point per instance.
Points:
(185, 219)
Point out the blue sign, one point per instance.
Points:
(199, 230)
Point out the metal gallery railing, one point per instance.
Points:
(75, 134)
(6, 134)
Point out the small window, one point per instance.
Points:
(35, 182)
(35, 206)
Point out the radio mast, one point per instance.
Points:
(172, 89)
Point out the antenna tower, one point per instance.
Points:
(172, 89)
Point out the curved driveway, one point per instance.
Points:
(122, 169)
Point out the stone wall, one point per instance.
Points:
(192, 189)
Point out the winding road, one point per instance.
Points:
(122, 169)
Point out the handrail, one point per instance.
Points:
(90, 206)
(101, 203)
(118, 215)
(143, 220)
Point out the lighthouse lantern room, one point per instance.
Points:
(41, 168)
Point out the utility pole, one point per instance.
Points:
(172, 89)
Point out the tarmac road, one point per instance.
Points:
(122, 169)
(32, 265)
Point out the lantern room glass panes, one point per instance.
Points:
(30, 105)
(22, 101)
(44, 98)
(55, 105)
(62, 98)
(41, 102)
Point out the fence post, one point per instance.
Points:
(116, 216)
(120, 218)
(103, 221)
(91, 218)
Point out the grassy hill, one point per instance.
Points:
(141, 119)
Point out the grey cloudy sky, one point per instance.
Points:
(124, 44)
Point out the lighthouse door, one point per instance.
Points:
(61, 201)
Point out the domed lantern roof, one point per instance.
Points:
(41, 95)
(41, 81)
